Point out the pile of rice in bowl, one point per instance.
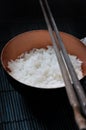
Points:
(39, 68)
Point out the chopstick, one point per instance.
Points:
(77, 85)
(65, 67)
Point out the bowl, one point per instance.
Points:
(39, 39)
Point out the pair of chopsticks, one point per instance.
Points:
(75, 92)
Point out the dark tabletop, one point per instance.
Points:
(20, 16)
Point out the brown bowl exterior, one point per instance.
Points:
(39, 39)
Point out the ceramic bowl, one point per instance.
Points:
(39, 39)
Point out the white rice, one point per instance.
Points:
(40, 68)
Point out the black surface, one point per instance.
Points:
(20, 16)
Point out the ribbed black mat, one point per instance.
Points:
(15, 114)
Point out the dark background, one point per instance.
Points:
(30, 8)
(17, 16)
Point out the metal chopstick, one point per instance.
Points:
(81, 122)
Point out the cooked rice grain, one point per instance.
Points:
(39, 68)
